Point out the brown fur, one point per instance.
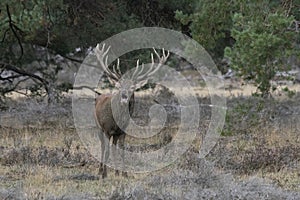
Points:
(105, 120)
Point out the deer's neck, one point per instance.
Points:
(121, 111)
(131, 104)
(123, 107)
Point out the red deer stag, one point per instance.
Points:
(122, 100)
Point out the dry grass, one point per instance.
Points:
(42, 156)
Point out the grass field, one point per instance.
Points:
(256, 157)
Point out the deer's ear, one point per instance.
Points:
(141, 83)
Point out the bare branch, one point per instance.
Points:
(24, 73)
(9, 78)
(12, 89)
(4, 35)
(13, 27)
(34, 77)
(86, 87)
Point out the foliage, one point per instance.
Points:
(255, 32)
(210, 24)
(26, 21)
(288, 92)
(159, 13)
(257, 36)
(246, 113)
(263, 42)
(33, 32)
(23, 26)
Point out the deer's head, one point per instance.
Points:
(126, 85)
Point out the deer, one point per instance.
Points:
(113, 125)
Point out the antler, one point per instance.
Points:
(115, 74)
(162, 59)
(103, 59)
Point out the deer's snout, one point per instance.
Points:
(124, 97)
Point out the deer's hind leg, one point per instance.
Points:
(104, 156)
(121, 139)
(114, 150)
(122, 147)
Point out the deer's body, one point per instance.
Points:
(104, 115)
(113, 124)
(106, 121)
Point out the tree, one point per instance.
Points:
(264, 40)
(257, 36)
(210, 24)
(21, 23)
(34, 32)
(159, 12)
